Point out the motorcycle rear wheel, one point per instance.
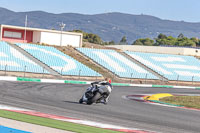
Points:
(94, 99)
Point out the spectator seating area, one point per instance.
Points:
(173, 67)
(57, 60)
(13, 60)
(116, 63)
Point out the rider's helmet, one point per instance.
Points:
(108, 80)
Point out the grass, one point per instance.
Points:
(187, 101)
(68, 126)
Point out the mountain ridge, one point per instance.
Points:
(109, 26)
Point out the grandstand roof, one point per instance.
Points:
(37, 29)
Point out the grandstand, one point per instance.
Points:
(172, 67)
(13, 60)
(20, 57)
(58, 61)
(117, 63)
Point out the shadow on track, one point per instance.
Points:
(83, 103)
(71, 102)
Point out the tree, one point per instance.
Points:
(196, 40)
(89, 37)
(162, 36)
(92, 38)
(137, 42)
(162, 40)
(109, 43)
(144, 41)
(185, 42)
(198, 44)
(123, 40)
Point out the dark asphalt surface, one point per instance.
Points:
(62, 99)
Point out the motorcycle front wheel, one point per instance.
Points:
(81, 101)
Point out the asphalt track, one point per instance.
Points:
(62, 99)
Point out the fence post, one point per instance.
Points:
(24, 70)
(43, 73)
(177, 80)
(96, 75)
(61, 71)
(131, 77)
(79, 74)
(113, 76)
(162, 79)
(146, 78)
(192, 79)
(5, 69)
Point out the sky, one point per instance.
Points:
(178, 10)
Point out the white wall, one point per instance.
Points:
(36, 36)
(192, 51)
(157, 49)
(54, 39)
(73, 40)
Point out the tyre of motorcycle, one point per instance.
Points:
(94, 99)
(87, 94)
(81, 101)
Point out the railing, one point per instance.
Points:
(5, 69)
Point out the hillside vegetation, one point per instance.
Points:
(162, 39)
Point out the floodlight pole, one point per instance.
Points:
(25, 28)
(62, 26)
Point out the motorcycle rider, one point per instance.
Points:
(105, 82)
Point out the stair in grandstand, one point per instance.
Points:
(101, 69)
(143, 66)
(70, 51)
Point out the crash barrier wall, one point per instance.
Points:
(172, 67)
(13, 60)
(117, 63)
(63, 64)
(5, 78)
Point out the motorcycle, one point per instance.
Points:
(95, 94)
